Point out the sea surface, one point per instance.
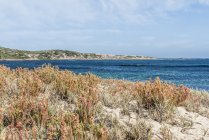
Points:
(193, 73)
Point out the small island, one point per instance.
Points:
(14, 54)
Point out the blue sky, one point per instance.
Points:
(159, 28)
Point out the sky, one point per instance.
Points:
(158, 28)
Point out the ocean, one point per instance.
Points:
(193, 73)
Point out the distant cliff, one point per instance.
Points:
(6, 54)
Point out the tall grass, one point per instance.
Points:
(160, 98)
(27, 109)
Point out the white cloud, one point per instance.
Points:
(140, 11)
(67, 13)
(84, 22)
(37, 13)
(204, 2)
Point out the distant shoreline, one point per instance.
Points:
(8, 54)
(72, 59)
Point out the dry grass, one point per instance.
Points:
(196, 100)
(28, 111)
(47, 103)
(157, 97)
(139, 131)
(156, 92)
(165, 133)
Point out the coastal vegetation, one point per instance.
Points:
(48, 103)
(6, 53)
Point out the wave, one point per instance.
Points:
(165, 66)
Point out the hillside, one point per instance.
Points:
(6, 53)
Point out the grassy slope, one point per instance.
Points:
(47, 103)
(6, 53)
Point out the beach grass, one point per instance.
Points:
(48, 103)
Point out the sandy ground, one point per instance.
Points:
(193, 126)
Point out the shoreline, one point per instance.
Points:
(105, 59)
(62, 55)
(73, 59)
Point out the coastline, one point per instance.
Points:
(14, 54)
(76, 59)
(132, 70)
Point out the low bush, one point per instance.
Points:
(47, 103)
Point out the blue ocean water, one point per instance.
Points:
(193, 73)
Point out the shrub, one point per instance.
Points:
(28, 113)
(156, 92)
(160, 98)
(36, 104)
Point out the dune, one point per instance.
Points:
(47, 103)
